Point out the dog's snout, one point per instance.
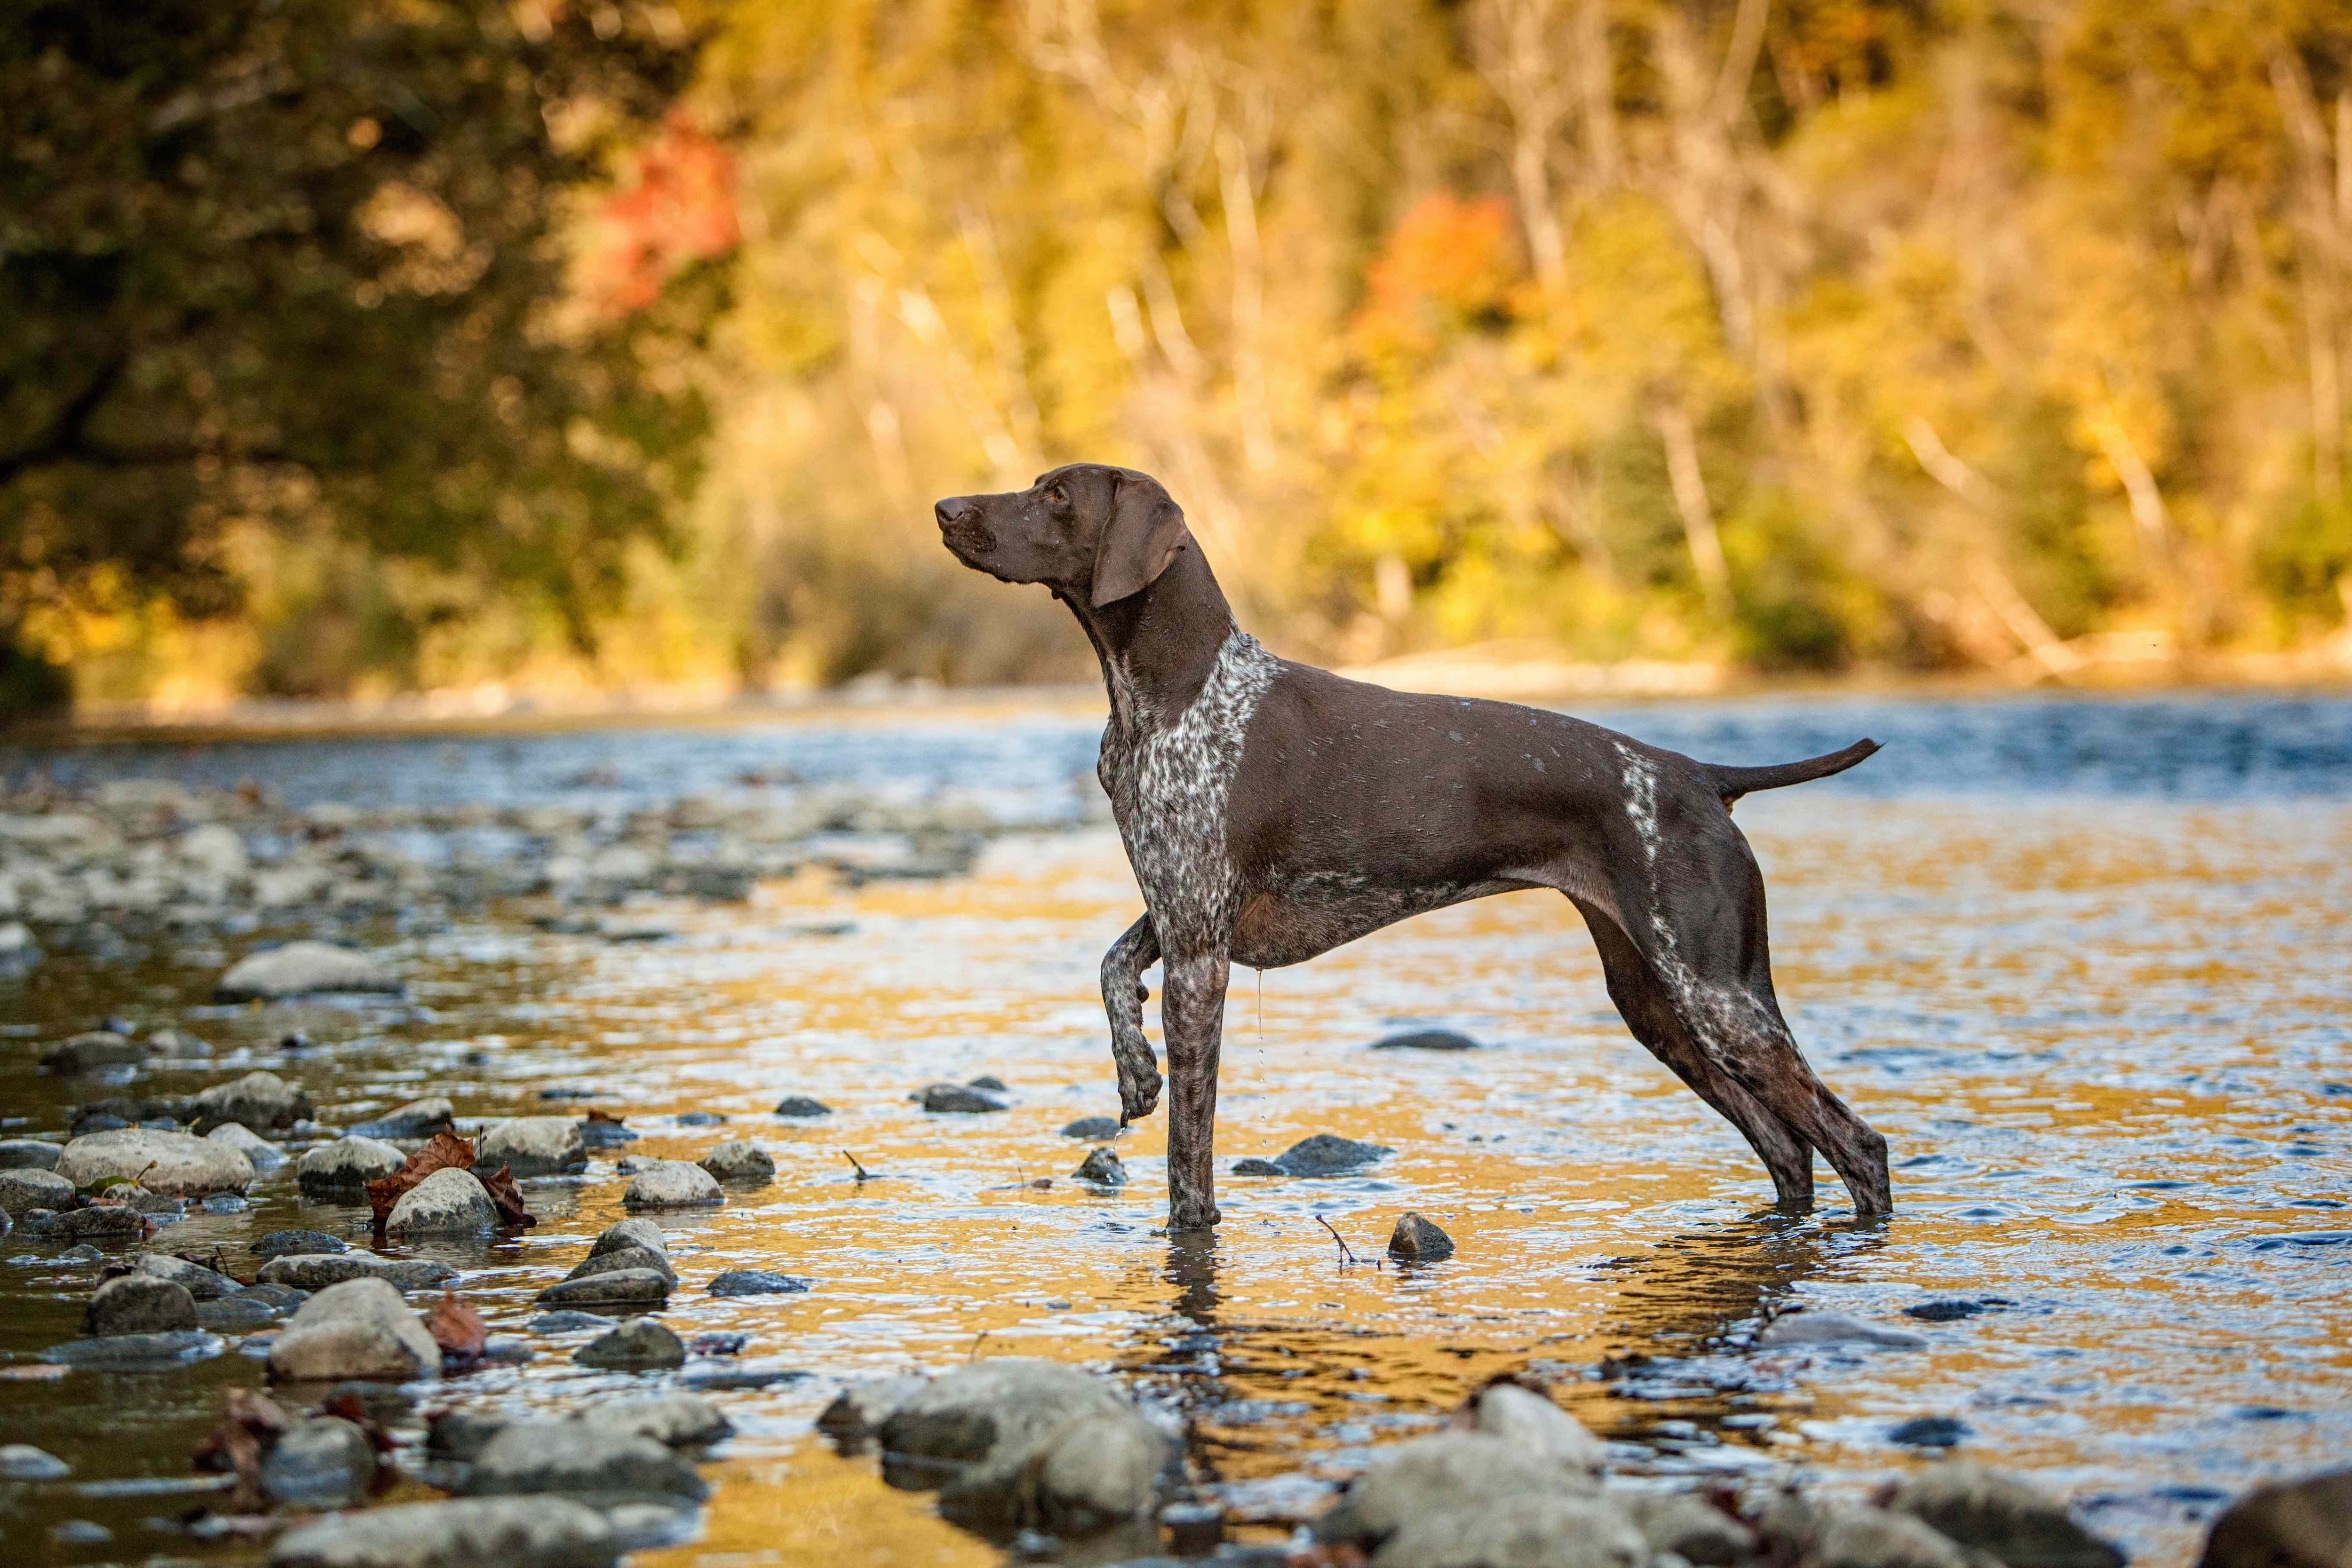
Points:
(955, 509)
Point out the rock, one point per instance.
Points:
(679, 1421)
(235, 1314)
(1419, 1240)
(2287, 1524)
(19, 954)
(265, 1155)
(278, 1243)
(756, 1282)
(1258, 1168)
(633, 1232)
(1094, 1129)
(24, 1190)
(857, 1412)
(449, 1202)
(1450, 1474)
(1833, 1328)
(139, 1304)
(672, 1184)
(101, 1222)
(1929, 1432)
(567, 1323)
(182, 1165)
(963, 1100)
(216, 848)
(620, 1258)
(202, 1284)
(640, 1345)
(344, 1168)
(28, 1154)
(802, 1105)
(508, 1531)
(1690, 1527)
(137, 1352)
(1326, 1154)
(177, 1044)
(1993, 1512)
(323, 1462)
(1528, 1530)
(700, 1119)
(24, 1462)
(91, 1051)
(581, 1457)
(1946, 1312)
(140, 1199)
(1015, 1443)
(258, 1100)
(1530, 1422)
(300, 968)
(461, 1434)
(1102, 1167)
(318, 1270)
(1872, 1537)
(740, 1160)
(532, 1146)
(360, 1329)
(610, 1288)
(602, 1133)
(1426, 1040)
(417, 1119)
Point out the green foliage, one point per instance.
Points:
(1800, 607)
(2305, 561)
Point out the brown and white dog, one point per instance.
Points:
(1272, 811)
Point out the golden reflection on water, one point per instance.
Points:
(2039, 1009)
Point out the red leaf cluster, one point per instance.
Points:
(447, 1151)
(456, 1328)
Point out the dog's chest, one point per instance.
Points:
(1170, 784)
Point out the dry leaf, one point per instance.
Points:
(248, 1430)
(456, 1328)
(446, 1152)
(596, 1116)
(347, 1407)
(507, 1197)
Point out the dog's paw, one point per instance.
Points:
(1138, 1099)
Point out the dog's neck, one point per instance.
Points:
(1157, 646)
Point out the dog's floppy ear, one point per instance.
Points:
(1145, 531)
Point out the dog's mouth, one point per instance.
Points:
(968, 537)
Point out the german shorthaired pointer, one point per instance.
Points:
(1272, 811)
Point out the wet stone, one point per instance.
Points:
(417, 1119)
(344, 1168)
(2303, 1523)
(1833, 1328)
(639, 1345)
(24, 1189)
(302, 968)
(1532, 1424)
(323, 1462)
(533, 1147)
(1931, 1432)
(963, 1100)
(700, 1119)
(802, 1105)
(203, 1284)
(280, 1297)
(449, 1202)
(461, 1434)
(317, 1272)
(1326, 1154)
(756, 1282)
(623, 1257)
(1943, 1312)
(565, 1322)
(508, 1531)
(1426, 1040)
(741, 1161)
(1691, 1528)
(1103, 1167)
(677, 1420)
(1094, 1129)
(1871, 1538)
(278, 1243)
(359, 1330)
(91, 1051)
(1256, 1167)
(105, 1222)
(581, 1457)
(617, 1287)
(139, 1304)
(605, 1135)
(265, 1155)
(1451, 1475)
(2005, 1515)
(235, 1314)
(672, 1184)
(258, 1100)
(633, 1232)
(173, 1163)
(24, 1462)
(1419, 1240)
(28, 1154)
(137, 1352)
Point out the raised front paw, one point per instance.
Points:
(1137, 1096)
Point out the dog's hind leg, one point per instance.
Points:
(1650, 1014)
(1136, 950)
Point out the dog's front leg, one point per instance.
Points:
(1137, 951)
(1192, 1014)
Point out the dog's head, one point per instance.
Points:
(1088, 531)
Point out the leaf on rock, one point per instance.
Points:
(596, 1116)
(446, 1152)
(249, 1428)
(500, 1184)
(456, 1328)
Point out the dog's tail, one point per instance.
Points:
(1731, 783)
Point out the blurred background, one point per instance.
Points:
(543, 350)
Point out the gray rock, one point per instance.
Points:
(533, 1147)
(265, 1155)
(102, 1222)
(672, 1184)
(417, 1119)
(802, 1105)
(636, 1231)
(137, 1352)
(963, 1100)
(91, 1051)
(1530, 1422)
(1993, 1512)
(621, 1258)
(139, 1304)
(700, 1119)
(506, 1532)
(567, 1323)
(173, 1164)
(1256, 1167)
(28, 1154)
(235, 1314)
(1528, 1530)
(177, 1044)
(740, 1160)
(1013, 1443)
(24, 1462)
(19, 954)
(604, 1134)
(344, 1168)
(258, 1100)
(24, 1190)
(1328, 1154)
(1426, 1040)
(855, 1415)
(449, 1202)
(610, 1288)
(1691, 1528)
(1872, 1538)
(580, 1457)
(1833, 1328)
(1419, 1240)
(280, 1298)
(323, 1462)
(1094, 1129)
(302, 968)
(202, 1284)
(360, 1329)
(679, 1421)
(278, 1243)
(1102, 1166)
(639, 1345)
(461, 1434)
(1451, 1473)
(2288, 1524)
(318, 1270)
(756, 1282)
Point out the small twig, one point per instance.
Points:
(863, 1176)
(973, 1355)
(1346, 1255)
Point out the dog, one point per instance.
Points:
(1272, 811)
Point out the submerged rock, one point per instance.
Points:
(963, 1100)
(92, 1052)
(1256, 1167)
(137, 1352)
(679, 1421)
(672, 1184)
(173, 1164)
(639, 1345)
(417, 1119)
(319, 1271)
(610, 1288)
(2005, 1515)
(756, 1282)
(257, 1100)
(344, 1168)
(449, 1202)
(24, 1462)
(2289, 1524)
(604, 1132)
(506, 1532)
(28, 1154)
(235, 1314)
(1426, 1040)
(533, 1147)
(277, 1243)
(802, 1105)
(1418, 1240)
(1103, 1167)
(740, 1160)
(101, 1222)
(1833, 1328)
(139, 1304)
(360, 1329)
(580, 1457)
(265, 1155)
(302, 968)
(1094, 1129)
(1326, 1154)
(323, 1462)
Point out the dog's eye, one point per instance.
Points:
(1058, 497)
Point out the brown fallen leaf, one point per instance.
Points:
(249, 1428)
(456, 1328)
(446, 1152)
(500, 1184)
(347, 1407)
(596, 1116)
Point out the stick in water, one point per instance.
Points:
(863, 1176)
(1345, 1255)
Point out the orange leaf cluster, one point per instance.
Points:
(456, 1328)
(448, 1151)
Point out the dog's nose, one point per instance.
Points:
(954, 508)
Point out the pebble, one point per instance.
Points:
(302, 968)
(756, 1282)
(672, 1184)
(740, 1160)
(417, 1119)
(1326, 1154)
(344, 1168)
(1094, 1129)
(1419, 1240)
(173, 1163)
(533, 1147)
(802, 1105)
(24, 1462)
(323, 1462)
(360, 1329)
(320, 1271)
(449, 1202)
(640, 1345)
(963, 1100)
(139, 1304)
(1426, 1040)
(277, 1243)
(28, 1154)
(1833, 1328)
(1102, 1166)
(506, 1532)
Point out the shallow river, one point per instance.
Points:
(2083, 962)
